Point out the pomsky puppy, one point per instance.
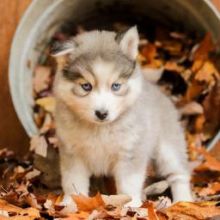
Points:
(110, 121)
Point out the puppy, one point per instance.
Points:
(110, 121)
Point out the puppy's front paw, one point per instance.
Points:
(69, 204)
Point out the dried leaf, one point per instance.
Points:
(152, 215)
(41, 79)
(149, 52)
(173, 66)
(207, 73)
(210, 162)
(199, 123)
(212, 109)
(192, 108)
(156, 188)
(194, 90)
(39, 145)
(192, 211)
(32, 174)
(47, 103)
(116, 200)
(47, 124)
(205, 47)
(211, 189)
(88, 203)
(31, 212)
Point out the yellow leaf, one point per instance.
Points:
(47, 103)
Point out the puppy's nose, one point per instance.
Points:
(101, 114)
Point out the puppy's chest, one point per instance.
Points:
(100, 149)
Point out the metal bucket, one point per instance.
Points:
(43, 18)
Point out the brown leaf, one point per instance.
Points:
(173, 66)
(207, 73)
(211, 189)
(116, 200)
(152, 215)
(199, 123)
(211, 106)
(39, 145)
(215, 151)
(192, 211)
(88, 203)
(191, 108)
(41, 78)
(205, 47)
(193, 91)
(149, 52)
(210, 162)
(31, 212)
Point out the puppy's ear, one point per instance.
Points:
(62, 48)
(128, 42)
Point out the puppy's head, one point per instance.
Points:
(97, 76)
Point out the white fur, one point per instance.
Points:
(142, 125)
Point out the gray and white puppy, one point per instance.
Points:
(110, 121)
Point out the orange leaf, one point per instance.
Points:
(199, 123)
(149, 52)
(152, 215)
(192, 211)
(212, 189)
(210, 163)
(32, 213)
(193, 91)
(151, 212)
(88, 204)
(205, 47)
(207, 72)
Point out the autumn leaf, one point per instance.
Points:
(41, 78)
(152, 215)
(88, 204)
(31, 212)
(192, 211)
(211, 106)
(39, 145)
(173, 66)
(194, 90)
(211, 189)
(205, 47)
(207, 73)
(149, 52)
(210, 162)
(47, 103)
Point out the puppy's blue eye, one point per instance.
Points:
(87, 87)
(116, 86)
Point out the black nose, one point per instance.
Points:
(101, 114)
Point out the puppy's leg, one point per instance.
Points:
(74, 179)
(75, 175)
(173, 164)
(129, 180)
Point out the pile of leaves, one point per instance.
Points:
(23, 196)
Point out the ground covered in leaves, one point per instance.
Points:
(185, 67)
